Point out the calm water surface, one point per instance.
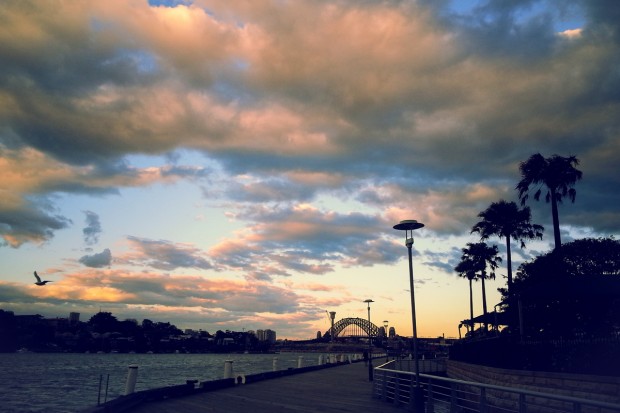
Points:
(67, 383)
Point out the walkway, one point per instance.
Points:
(339, 389)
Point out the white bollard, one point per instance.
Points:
(342, 358)
(275, 364)
(132, 377)
(349, 358)
(300, 362)
(320, 359)
(228, 369)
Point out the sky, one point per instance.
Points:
(241, 164)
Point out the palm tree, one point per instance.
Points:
(506, 220)
(558, 174)
(465, 270)
(476, 258)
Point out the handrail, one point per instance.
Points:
(381, 388)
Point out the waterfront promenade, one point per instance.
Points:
(339, 389)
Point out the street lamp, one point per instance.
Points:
(409, 226)
(368, 301)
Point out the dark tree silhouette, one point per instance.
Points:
(104, 322)
(558, 174)
(578, 299)
(465, 269)
(476, 258)
(506, 220)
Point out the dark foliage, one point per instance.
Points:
(570, 293)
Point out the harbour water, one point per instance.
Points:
(67, 383)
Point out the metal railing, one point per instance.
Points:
(445, 395)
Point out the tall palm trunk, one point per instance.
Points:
(484, 303)
(508, 263)
(556, 219)
(471, 307)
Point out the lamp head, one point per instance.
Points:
(408, 225)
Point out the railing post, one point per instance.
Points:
(483, 399)
(384, 386)
(396, 400)
(576, 407)
(522, 404)
(430, 408)
(454, 401)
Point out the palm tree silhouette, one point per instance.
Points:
(465, 269)
(476, 258)
(558, 174)
(506, 220)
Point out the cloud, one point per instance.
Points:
(274, 100)
(190, 299)
(31, 178)
(163, 255)
(30, 221)
(321, 123)
(92, 229)
(103, 259)
(303, 239)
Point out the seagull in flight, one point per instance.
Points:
(39, 282)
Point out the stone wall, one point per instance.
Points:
(602, 388)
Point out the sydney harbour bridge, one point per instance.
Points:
(354, 328)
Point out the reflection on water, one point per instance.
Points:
(66, 383)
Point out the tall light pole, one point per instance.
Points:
(368, 301)
(409, 226)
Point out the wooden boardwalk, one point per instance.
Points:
(339, 389)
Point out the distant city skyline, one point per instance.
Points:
(242, 165)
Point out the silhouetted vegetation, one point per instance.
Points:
(562, 310)
(571, 293)
(505, 220)
(558, 174)
(105, 333)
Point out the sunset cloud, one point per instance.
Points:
(277, 143)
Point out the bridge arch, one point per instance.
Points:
(368, 327)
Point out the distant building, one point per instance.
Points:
(266, 335)
(392, 332)
(74, 318)
(57, 323)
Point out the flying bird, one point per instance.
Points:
(39, 282)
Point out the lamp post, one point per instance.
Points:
(368, 301)
(409, 226)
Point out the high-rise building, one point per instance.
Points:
(266, 335)
(74, 318)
